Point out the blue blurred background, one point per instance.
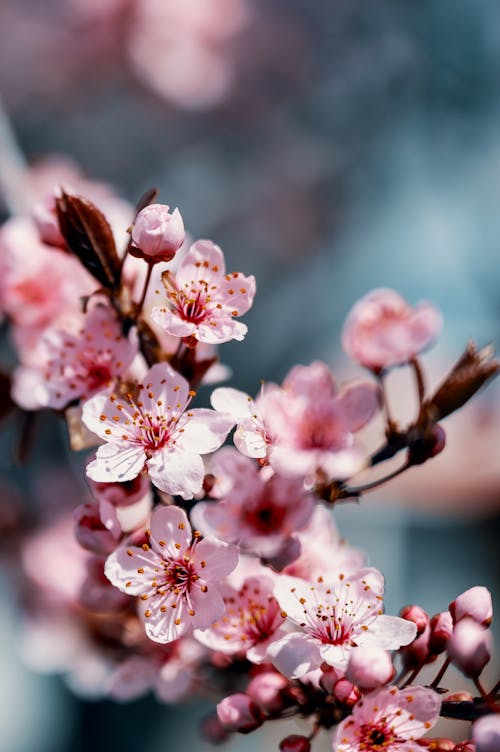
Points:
(329, 148)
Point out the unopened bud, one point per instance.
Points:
(266, 689)
(121, 494)
(416, 653)
(369, 667)
(157, 235)
(239, 712)
(417, 615)
(486, 733)
(346, 693)
(295, 743)
(441, 629)
(468, 374)
(470, 647)
(475, 603)
(437, 744)
(459, 697)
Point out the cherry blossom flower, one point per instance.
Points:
(157, 233)
(382, 330)
(260, 513)
(334, 617)
(307, 426)
(388, 719)
(154, 429)
(252, 619)
(174, 576)
(79, 365)
(202, 300)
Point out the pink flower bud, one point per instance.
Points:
(417, 615)
(121, 494)
(328, 679)
(346, 693)
(470, 646)
(295, 743)
(382, 330)
(239, 713)
(157, 234)
(96, 527)
(476, 603)
(441, 629)
(266, 689)
(417, 652)
(369, 667)
(212, 730)
(486, 733)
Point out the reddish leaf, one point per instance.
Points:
(88, 235)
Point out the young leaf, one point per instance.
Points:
(88, 235)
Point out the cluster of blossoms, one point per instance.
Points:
(197, 564)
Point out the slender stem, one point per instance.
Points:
(495, 689)
(349, 491)
(440, 673)
(413, 675)
(146, 285)
(14, 183)
(419, 377)
(390, 423)
(481, 689)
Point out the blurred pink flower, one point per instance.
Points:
(76, 366)
(175, 577)
(155, 430)
(305, 427)
(260, 513)
(382, 330)
(390, 719)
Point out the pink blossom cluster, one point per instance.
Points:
(194, 558)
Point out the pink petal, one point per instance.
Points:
(214, 559)
(237, 293)
(208, 606)
(170, 527)
(177, 472)
(225, 329)
(250, 439)
(359, 403)
(193, 265)
(204, 431)
(294, 655)
(238, 405)
(165, 626)
(122, 567)
(162, 384)
(133, 678)
(114, 463)
(98, 413)
(389, 632)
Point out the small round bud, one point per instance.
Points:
(295, 743)
(417, 615)
(239, 712)
(417, 652)
(369, 667)
(328, 679)
(441, 630)
(346, 693)
(437, 744)
(470, 647)
(157, 235)
(486, 733)
(266, 689)
(476, 603)
(96, 527)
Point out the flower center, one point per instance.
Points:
(265, 517)
(377, 737)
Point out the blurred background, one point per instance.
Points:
(329, 148)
